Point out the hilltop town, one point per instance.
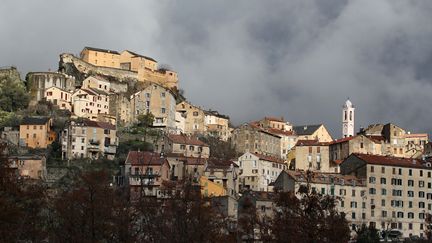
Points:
(122, 119)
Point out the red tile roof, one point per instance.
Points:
(342, 140)
(311, 143)
(183, 139)
(390, 161)
(104, 125)
(269, 158)
(145, 158)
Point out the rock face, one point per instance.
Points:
(80, 69)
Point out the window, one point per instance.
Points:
(191, 148)
(318, 149)
(394, 171)
(383, 181)
(254, 163)
(410, 172)
(421, 205)
(372, 191)
(372, 169)
(383, 170)
(383, 202)
(372, 179)
(353, 215)
(310, 150)
(384, 214)
(163, 110)
(195, 113)
(361, 145)
(421, 173)
(353, 204)
(400, 171)
(421, 194)
(353, 193)
(163, 94)
(410, 194)
(421, 183)
(383, 191)
(410, 215)
(410, 183)
(183, 147)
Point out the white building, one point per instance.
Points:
(257, 171)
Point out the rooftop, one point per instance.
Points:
(104, 125)
(101, 50)
(269, 158)
(306, 129)
(139, 55)
(325, 178)
(187, 140)
(390, 161)
(34, 120)
(145, 158)
(311, 143)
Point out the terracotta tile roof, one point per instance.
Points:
(390, 161)
(326, 178)
(101, 50)
(342, 140)
(184, 139)
(416, 135)
(145, 158)
(311, 143)
(269, 158)
(188, 160)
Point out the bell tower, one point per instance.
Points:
(348, 119)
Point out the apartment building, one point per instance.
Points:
(257, 171)
(340, 149)
(144, 173)
(89, 139)
(90, 102)
(398, 191)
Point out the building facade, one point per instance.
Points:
(194, 118)
(255, 139)
(314, 156)
(348, 119)
(257, 171)
(312, 132)
(36, 132)
(158, 101)
(89, 139)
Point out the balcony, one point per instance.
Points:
(111, 149)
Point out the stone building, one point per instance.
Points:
(252, 138)
(101, 57)
(90, 102)
(224, 173)
(158, 101)
(29, 166)
(314, 156)
(59, 97)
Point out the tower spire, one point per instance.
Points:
(348, 119)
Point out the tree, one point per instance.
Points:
(367, 234)
(13, 95)
(145, 120)
(219, 149)
(428, 221)
(308, 216)
(91, 212)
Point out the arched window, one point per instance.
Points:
(350, 115)
(345, 115)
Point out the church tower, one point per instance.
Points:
(348, 119)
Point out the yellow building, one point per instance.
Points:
(211, 189)
(101, 57)
(35, 132)
(145, 68)
(217, 125)
(313, 155)
(195, 118)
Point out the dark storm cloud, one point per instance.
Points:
(299, 59)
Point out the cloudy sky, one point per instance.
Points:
(299, 59)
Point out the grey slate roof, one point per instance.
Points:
(139, 55)
(34, 120)
(306, 129)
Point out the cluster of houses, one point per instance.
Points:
(382, 174)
